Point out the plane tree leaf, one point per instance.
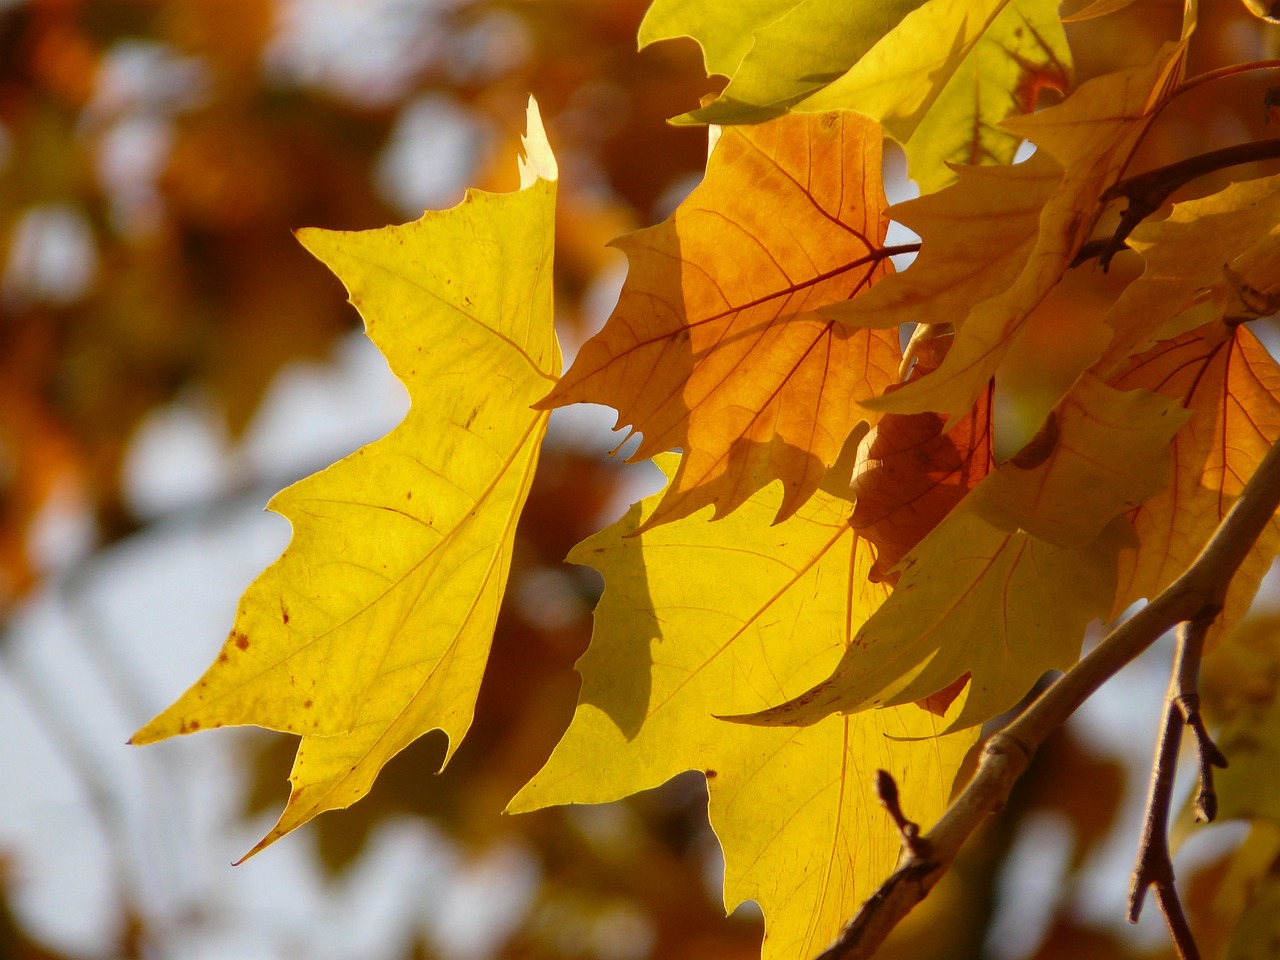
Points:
(725, 34)
(1231, 385)
(954, 270)
(1100, 453)
(1023, 52)
(700, 618)
(1089, 137)
(940, 75)
(1002, 588)
(1184, 256)
(713, 347)
(374, 625)
(899, 79)
(784, 51)
(910, 472)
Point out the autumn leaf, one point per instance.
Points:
(910, 473)
(939, 75)
(1023, 52)
(1231, 385)
(707, 351)
(1002, 589)
(700, 618)
(944, 78)
(774, 52)
(374, 625)
(1089, 138)
(954, 271)
(725, 35)
(1100, 453)
(1183, 268)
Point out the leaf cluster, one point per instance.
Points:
(846, 573)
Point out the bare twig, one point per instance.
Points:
(1154, 867)
(1198, 593)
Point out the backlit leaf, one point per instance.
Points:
(1184, 256)
(1232, 386)
(939, 75)
(1023, 52)
(1002, 589)
(1090, 136)
(1100, 453)
(910, 472)
(699, 619)
(794, 48)
(709, 348)
(1002, 607)
(374, 625)
(725, 34)
(976, 237)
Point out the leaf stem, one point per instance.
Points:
(1198, 594)
(1222, 73)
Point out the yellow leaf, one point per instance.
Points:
(1023, 52)
(700, 619)
(1232, 386)
(1184, 256)
(1090, 136)
(776, 53)
(898, 80)
(976, 237)
(1001, 607)
(725, 34)
(710, 348)
(374, 625)
(1002, 588)
(1100, 453)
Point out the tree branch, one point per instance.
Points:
(1198, 594)
(1148, 191)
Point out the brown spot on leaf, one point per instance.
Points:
(241, 640)
(284, 616)
(710, 774)
(306, 704)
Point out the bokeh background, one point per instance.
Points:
(170, 356)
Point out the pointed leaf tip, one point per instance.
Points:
(538, 162)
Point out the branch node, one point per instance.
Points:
(917, 846)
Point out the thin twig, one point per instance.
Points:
(887, 790)
(1154, 867)
(1199, 591)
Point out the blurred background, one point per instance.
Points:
(170, 357)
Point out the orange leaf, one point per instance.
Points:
(910, 473)
(705, 350)
(1232, 385)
